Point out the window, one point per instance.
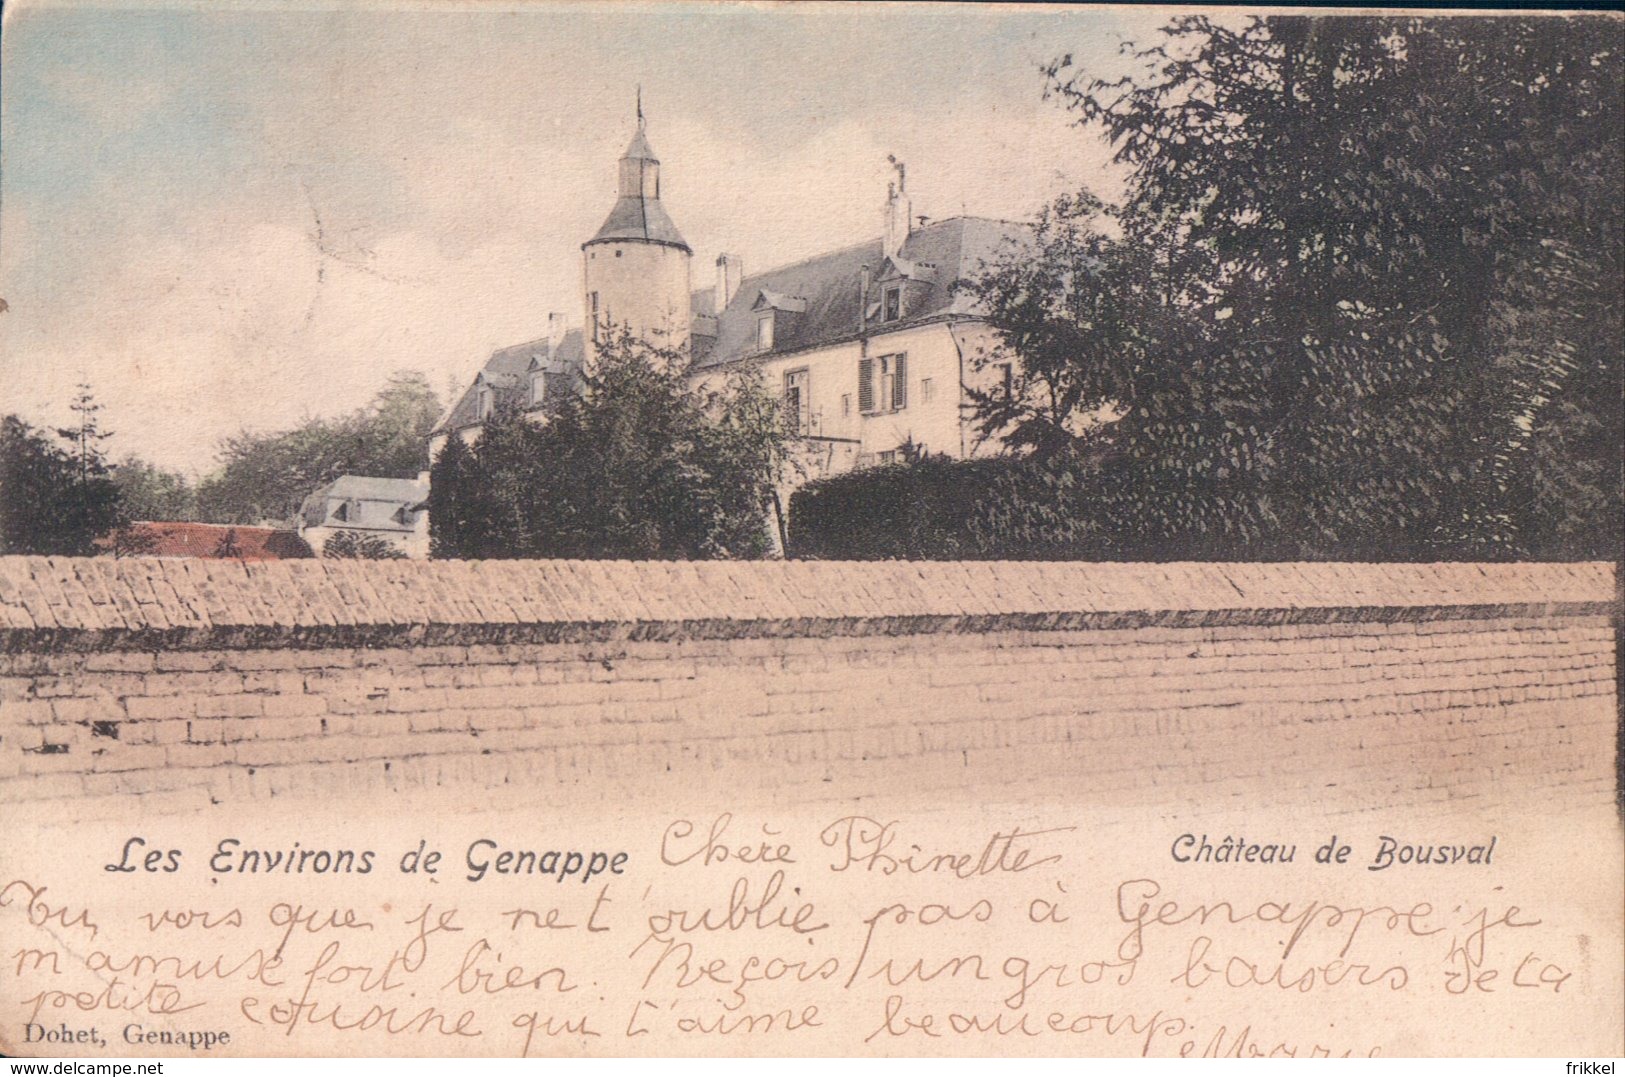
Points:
(487, 402)
(883, 383)
(796, 410)
(538, 387)
(927, 390)
(1007, 379)
(764, 332)
(887, 457)
(846, 404)
(597, 318)
(892, 305)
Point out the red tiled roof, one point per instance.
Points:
(173, 539)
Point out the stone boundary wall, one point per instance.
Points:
(153, 686)
(54, 604)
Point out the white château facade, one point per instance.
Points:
(870, 345)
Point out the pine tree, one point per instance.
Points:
(452, 486)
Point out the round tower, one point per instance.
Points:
(636, 268)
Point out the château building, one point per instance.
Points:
(871, 345)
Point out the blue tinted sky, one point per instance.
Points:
(233, 216)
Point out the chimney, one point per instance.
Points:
(897, 212)
(730, 271)
(555, 334)
(865, 279)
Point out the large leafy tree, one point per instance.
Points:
(1376, 264)
(33, 477)
(56, 500)
(149, 492)
(1080, 307)
(266, 476)
(639, 464)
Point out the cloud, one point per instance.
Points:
(322, 198)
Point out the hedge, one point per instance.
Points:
(940, 509)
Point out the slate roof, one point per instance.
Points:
(816, 301)
(639, 148)
(829, 286)
(507, 371)
(636, 217)
(642, 219)
(374, 504)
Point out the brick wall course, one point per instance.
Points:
(144, 686)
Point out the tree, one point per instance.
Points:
(267, 476)
(228, 547)
(745, 451)
(92, 504)
(51, 502)
(1381, 316)
(638, 464)
(85, 437)
(1077, 309)
(391, 435)
(453, 489)
(148, 492)
(134, 540)
(355, 546)
(33, 475)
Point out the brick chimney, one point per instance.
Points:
(865, 282)
(730, 271)
(555, 334)
(898, 219)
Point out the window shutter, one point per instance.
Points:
(899, 383)
(866, 385)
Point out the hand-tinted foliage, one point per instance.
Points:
(1361, 299)
(265, 477)
(355, 546)
(638, 464)
(55, 500)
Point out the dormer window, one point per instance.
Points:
(538, 387)
(769, 305)
(892, 304)
(486, 403)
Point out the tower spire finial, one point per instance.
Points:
(640, 106)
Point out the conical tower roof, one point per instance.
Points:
(637, 213)
(639, 148)
(641, 219)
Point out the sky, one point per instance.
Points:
(234, 216)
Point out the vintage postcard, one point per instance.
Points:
(696, 529)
